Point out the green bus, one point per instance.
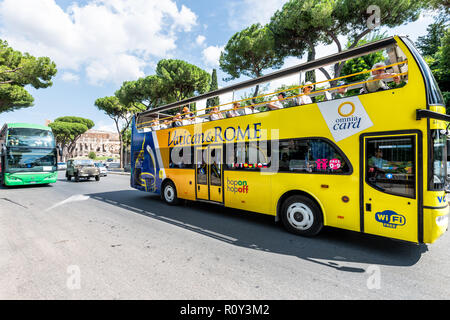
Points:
(28, 155)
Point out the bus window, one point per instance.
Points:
(390, 165)
(311, 156)
(439, 163)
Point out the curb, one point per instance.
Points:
(119, 173)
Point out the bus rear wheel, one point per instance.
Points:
(169, 193)
(302, 216)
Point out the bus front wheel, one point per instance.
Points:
(301, 215)
(169, 193)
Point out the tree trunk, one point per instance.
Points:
(311, 75)
(121, 151)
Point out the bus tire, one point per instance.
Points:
(301, 215)
(169, 193)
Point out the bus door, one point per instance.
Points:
(209, 172)
(390, 185)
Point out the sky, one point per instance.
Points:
(99, 44)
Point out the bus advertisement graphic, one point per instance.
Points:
(345, 117)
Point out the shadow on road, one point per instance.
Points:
(259, 232)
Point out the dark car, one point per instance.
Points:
(82, 169)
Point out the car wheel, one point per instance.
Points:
(169, 193)
(97, 178)
(77, 177)
(301, 215)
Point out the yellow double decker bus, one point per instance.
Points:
(367, 154)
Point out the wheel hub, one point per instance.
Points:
(300, 216)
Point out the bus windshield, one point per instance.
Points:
(30, 137)
(27, 160)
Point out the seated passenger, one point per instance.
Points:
(155, 125)
(164, 125)
(277, 104)
(187, 117)
(215, 114)
(234, 112)
(249, 110)
(341, 92)
(306, 91)
(377, 79)
(177, 121)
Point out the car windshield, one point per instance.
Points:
(100, 165)
(83, 162)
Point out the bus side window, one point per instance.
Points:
(311, 156)
(390, 165)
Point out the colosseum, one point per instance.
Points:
(103, 143)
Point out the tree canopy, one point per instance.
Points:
(301, 25)
(18, 70)
(143, 93)
(211, 102)
(363, 63)
(181, 80)
(68, 129)
(250, 52)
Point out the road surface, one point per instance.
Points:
(104, 240)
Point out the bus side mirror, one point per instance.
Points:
(3, 149)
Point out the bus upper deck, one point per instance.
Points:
(371, 159)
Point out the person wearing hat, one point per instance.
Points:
(279, 103)
(341, 92)
(235, 111)
(306, 91)
(376, 80)
(187, 116)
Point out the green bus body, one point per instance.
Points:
(28, 155)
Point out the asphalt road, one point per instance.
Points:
(104, 240)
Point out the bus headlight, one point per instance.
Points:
(442, 221)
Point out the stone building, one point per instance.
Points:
(103, 143)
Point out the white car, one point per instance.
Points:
(103, 170)
(62, 166)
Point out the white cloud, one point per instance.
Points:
(97, 36)
(200, 40)
(243, 13)
(70, 77)
(211, 55)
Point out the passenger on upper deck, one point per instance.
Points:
(234, 112)
(215, 114)
(164, 125)
(277, 104)
(187, 117)
(341, 92)
(305, 98)
(249, 110)
(377, 82)
(155, 125)
(177, 121)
